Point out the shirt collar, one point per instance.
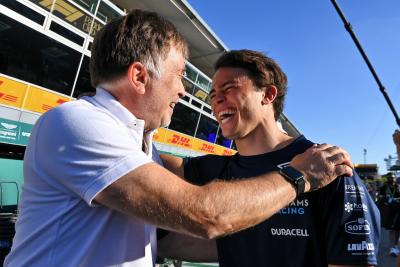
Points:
(109, 102)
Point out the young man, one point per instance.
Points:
(338, 225)
(92, 193)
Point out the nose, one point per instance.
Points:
(218, 98)
(181, 91)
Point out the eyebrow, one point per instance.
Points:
(234, 81)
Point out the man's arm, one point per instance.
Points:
(159, 197)
(173, 164)
(187, 248)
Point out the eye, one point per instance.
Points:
(227, 89)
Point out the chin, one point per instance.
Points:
(229, 135)
(165, 123)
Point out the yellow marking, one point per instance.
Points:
(67, 6)
(74, 16)
(46, 3)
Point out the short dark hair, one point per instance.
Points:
(263, 70)
(139, 36)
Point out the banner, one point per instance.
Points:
(12, 92)
(169, 137)
(14, 132)
(40, 101)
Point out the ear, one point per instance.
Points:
(270, 94)
(138, 77)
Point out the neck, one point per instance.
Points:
(263, 139)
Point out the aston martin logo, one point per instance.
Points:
(8, 126)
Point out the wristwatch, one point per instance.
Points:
(295, 177)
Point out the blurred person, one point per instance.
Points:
(396, 140)
(371, 187)
(389, 198)
(336, 226)
(93, 193)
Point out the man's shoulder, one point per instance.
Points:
(206, 161)
(203, 169)
(78, 113)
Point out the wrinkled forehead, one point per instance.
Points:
(174, 59)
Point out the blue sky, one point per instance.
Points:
(332, 96)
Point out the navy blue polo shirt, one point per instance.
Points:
(338, 224)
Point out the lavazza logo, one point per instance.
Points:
(349, 207)
(358, 227)
(363, 246)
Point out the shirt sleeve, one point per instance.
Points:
(81, 152)
(204, 169)
(352, 222)
(191, 170)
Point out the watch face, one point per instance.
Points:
(295, 177)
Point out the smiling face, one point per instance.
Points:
(235, 102)
(164, 93)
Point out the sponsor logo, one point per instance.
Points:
(295, 208)
(10, 98)
(227, 152)
(289, 232)
(358, 227)
(207, 148)
(299, 202)
(180, 141)
(25, 134)
(354, 190)
(349, 207)
(5, 134)
(363, 246)
(292, 211)
(61, 101)
(46, 107)
(8, 126)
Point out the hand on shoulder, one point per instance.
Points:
(321, 164)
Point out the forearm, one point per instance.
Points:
(233, 206)
(159, 197)
(216, 209)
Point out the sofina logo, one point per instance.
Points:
(358, 227)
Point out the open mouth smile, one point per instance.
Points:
(226, 115)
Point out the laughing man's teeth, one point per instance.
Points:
(225, 115)
(226, 112)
